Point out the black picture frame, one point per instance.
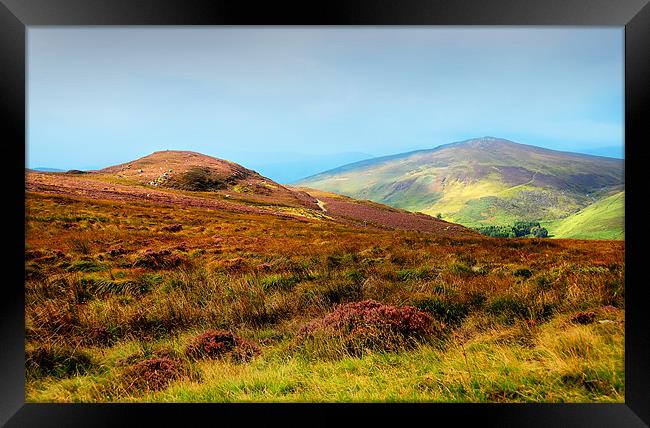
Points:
(17, 15)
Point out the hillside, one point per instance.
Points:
(483, 181)
(142, 293)
(600, 220)
(189, 179)
(196, 172)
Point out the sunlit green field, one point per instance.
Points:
(604, 219)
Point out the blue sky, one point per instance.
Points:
(291, 102)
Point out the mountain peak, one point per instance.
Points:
(485, 180)
(484, 142)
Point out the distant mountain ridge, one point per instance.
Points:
(480, 181)
(484, 140)
(44, 169)
(183, 179)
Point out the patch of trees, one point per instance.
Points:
(518, 229)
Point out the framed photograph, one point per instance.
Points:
(384, 210)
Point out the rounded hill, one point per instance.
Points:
(482, 181)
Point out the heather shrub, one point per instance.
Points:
(356, 328)
(173, 228)
(219, 344)
(584, 317)
(116, 252)
(234, 265)
(152, 374)
(152, 259)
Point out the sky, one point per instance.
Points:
(290, 102)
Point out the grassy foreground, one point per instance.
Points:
(556, 363)
(118, 292)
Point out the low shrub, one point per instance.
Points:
(115, 252)
(152, 259)
(219, 344)
(173, 228)
(152, 374)
(356, 328)
(584, 317)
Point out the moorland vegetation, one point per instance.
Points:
(133, 299)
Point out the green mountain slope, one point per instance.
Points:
(604, 219)
(483, 181)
